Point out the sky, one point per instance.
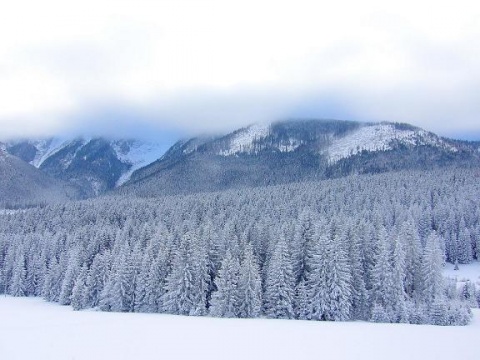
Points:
(139, 68)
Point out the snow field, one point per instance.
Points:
(470, 272)
(31, 328)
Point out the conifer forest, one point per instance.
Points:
(363, 247)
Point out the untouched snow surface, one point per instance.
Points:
(465, 272)
(33, 329)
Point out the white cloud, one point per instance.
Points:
(218, 64)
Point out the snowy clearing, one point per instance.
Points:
(465, 272)
(31, 328)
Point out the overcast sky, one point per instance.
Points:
(135, 67)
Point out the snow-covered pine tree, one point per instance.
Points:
(73, 268)
(477, 242)
(339, 282)
(303, 238)
(360, 304)
(279, 286)
(96, 278)
(53, 279)
(224, 299)
(185, 288)
(464, 251)
(19, 273)
(249, 286)
(36, 273)
(399, 275)
(413, 256)
(302, 303)
(438, 312)
(118, 293)
(431, 270)
(155, 286)
(317, 278)
(382, 293)
(469, 294)
(79, 292)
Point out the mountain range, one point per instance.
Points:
(92, 165)
(35, 170)
(291, 151)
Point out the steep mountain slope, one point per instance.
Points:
(22, 184)
(95, 165)
(297, 150)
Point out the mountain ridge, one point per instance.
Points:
(254, 155)
(286, 151)
(94, 164)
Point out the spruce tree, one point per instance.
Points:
(317, 278)
(279, 286)
(19, 273)
(431, 270)
(79, 291)
(71, 274)
(249, 286)
(224, 299)
(464, 250)
(382, 276)
(340, 286)
(185, 288)
(399, 276)
(302, 303)
(360, 306)
(155, 286)
(413, 256)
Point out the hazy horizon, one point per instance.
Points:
(170, 134)
(136, 67)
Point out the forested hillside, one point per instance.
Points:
(368, 247)
(292, 151)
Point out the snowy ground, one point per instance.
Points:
(465, 272)
(33, 329)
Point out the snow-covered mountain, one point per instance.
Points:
(365, 137)
(137, 154)
(295, 151)
(95, 165)
(383, 137)
(22, 184)
(258, 154)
